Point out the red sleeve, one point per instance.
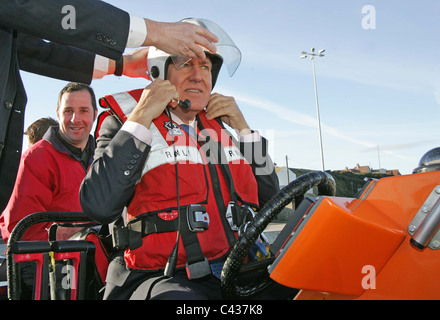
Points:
(34, 188)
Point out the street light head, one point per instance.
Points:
(303, 52)
(321, 51)
(303, 56)
(320, 55)
(313, 50)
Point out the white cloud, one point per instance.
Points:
(296, 117)
(341, 147)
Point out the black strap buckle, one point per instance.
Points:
(197, 218)
(237, 215)
(198, 269)
(127, 236)
(120, 237)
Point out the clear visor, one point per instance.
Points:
(226, 48)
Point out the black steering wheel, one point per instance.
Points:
(297, 188)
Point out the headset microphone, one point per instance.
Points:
(185, 104)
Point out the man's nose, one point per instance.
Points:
(196, 74)
(75, 117)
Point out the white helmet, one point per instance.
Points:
(227, 54)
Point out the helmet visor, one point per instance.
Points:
(226, 48)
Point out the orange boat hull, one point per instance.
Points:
(360, 248)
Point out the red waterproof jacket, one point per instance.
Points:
(48, 179)
(155, 194)
(200, 182)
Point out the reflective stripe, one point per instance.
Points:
(233, 153)
(161, 153)
(166, 156)
(157, 140)
(125, 101)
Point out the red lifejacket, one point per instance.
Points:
(202, 180)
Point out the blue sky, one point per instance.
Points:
(377, 88)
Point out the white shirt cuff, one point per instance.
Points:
(100, 68)
(250, 137)
(138, 131)
(137, 33)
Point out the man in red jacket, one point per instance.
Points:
(51, 171)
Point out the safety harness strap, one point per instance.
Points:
(197, 265)
(239, 213)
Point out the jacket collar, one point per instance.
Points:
(54, 138)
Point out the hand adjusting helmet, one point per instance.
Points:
(227, 54)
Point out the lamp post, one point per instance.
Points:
(312, 55)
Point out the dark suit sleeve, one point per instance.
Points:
(53, 60)
(98, 26)
(257, 155)
(110, 182)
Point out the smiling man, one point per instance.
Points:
(51, 170)
(76, 113)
